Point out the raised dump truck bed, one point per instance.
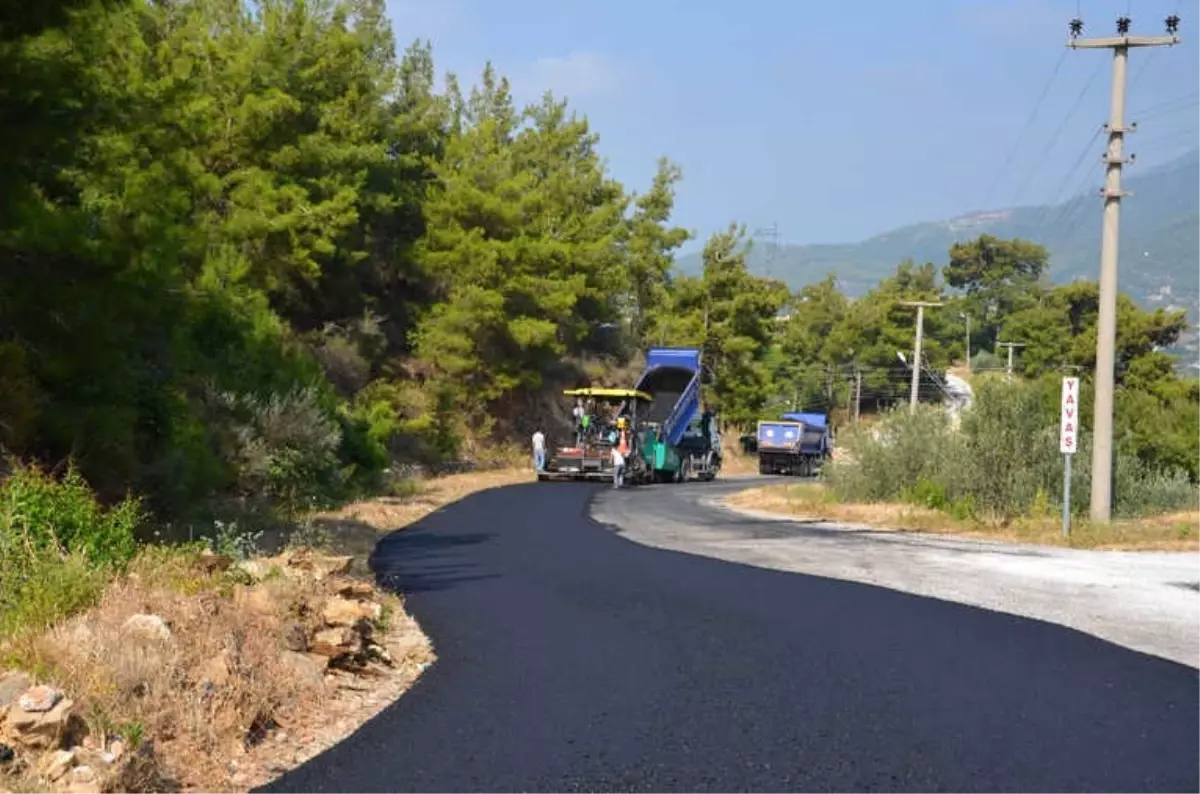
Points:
(678, 440)
(672, 379)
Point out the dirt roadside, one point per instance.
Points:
(199, 672)
(809, 501)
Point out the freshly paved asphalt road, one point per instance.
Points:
(573, 659)
(1146, 601)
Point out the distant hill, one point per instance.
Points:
(1160, 243)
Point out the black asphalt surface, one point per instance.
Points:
(571, 659)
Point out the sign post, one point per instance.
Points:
(1068, 435)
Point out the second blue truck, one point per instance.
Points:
(797, 444)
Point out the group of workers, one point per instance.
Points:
(587, 427)
(615, 433)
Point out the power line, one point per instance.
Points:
(1058, 131)
(1056, 207)
(1141, 70)
(1028, 123)
(1169, 106)
(1188, 132)
(1149, 58)
(771, 233)
(1073, 206)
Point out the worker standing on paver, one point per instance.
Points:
(539, 450)
(577, 415)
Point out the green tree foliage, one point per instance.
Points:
(1059, 329)
(871, 331)
(1000, 462)
(650, 247)
(998, 277)
(808, 355)
(523, 246)
(829, 338)
(249, 250)
(732, 316)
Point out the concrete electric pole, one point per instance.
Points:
(857, 393)
(916, 367)
(1010, 346)
(1114, 159)
(967, 318)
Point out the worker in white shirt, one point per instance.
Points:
(619, 451)
(539, 450)
(618, 461)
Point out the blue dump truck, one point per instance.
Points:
(676, 439)
(798, 444)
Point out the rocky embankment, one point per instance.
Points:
(215, 683)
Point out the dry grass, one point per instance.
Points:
(219, 687)
(156, 689)
(1173, 532)
(734, 461)
(390, 513)
(215, 697)
(355, 529)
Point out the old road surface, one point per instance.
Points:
(574, 659)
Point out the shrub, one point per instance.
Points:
(1002, 462)
(896, 454)
(285, 447)
(1010, 449)
(1142, 490)
(64, 514)
(420, 424)
(58, 546)
(985, 361)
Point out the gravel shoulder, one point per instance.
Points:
(1145, 601)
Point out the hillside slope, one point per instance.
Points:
(1160, 241)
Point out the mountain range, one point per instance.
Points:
(1159, 244)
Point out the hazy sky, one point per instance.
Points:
(833, 120)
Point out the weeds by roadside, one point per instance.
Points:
(734, 461)
(1000, 464)
(58, 547)
(190, 655)
(1179, 531)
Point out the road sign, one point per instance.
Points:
(1068, 442)
(1069, 422)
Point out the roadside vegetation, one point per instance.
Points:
(268, 289)
(996, 472)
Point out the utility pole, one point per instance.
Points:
(857, 392)
(916, 367)
(1114, 159)
(967, 317)
(771, 233)
(1010, 345)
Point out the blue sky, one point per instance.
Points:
(833, 120)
